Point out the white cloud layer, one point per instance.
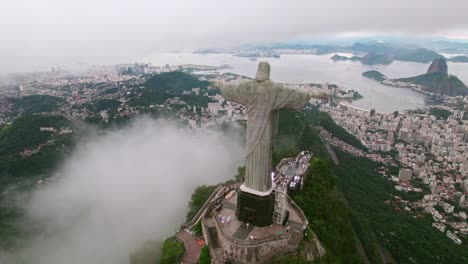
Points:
(35, 33)
(119, 190)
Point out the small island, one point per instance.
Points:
(375, 75)
(337, 57)
(368, 59)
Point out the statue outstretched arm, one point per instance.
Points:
(318, 95)
(240, 94)
(289, 98)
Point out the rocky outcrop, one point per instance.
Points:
(438, 81)
(313, 249)
(439, 65)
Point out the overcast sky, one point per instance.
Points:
(35, 33)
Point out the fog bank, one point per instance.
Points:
(118, 190)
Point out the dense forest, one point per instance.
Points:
(23, 172)
(407, 236)
(24, 133)
(36, 104)
(440, 113)
(386, 234)
(163, 86)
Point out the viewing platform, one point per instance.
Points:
(232, 240)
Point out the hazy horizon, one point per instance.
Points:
(46, 33)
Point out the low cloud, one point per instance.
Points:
(120, 189)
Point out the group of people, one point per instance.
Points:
(253, 236)
(224, 219)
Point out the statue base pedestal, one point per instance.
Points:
(254, 207)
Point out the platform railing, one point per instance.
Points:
(270, 238)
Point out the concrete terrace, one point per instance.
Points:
(231, 227)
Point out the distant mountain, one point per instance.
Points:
(439, 65)
(460, 59)
(416, 55)
(372, 47)
(376, 59)
(397, 52)
(375, 75)
(448, 46)
(390, 51)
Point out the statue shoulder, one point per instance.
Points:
(280, 87)
(249, 86)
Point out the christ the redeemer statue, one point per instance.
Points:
(262, 99)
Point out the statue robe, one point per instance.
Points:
(262, 100)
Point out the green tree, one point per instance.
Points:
(198, 229)
(199, 197)
(37, 104)
(327, 213)
(205, 256)
(240, 173)
(172, 251)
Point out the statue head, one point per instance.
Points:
(263, 72)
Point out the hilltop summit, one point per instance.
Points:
(436, 80)
(438, 65)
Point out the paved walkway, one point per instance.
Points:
(243, 232)
(192, 246)
(229, 205)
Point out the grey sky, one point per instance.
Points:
(35, 33)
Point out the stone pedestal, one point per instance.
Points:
(255, 208)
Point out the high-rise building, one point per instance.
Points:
(405, 175)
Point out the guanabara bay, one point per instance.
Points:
(225, 132)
